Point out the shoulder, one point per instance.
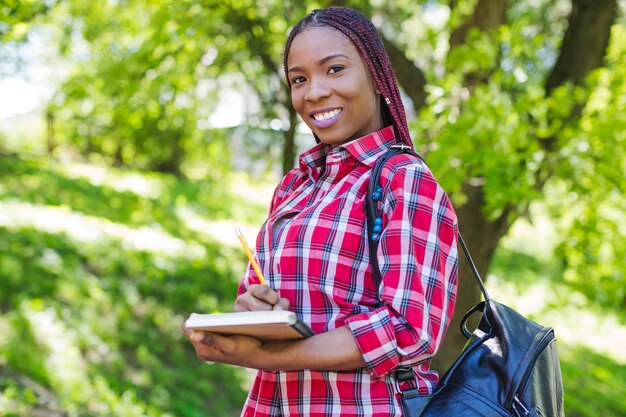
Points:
(408, 181)
(405, 168)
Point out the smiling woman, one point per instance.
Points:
(313, 247)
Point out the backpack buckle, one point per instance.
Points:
(402, 146)
(404, 374)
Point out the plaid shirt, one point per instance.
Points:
(313, 249)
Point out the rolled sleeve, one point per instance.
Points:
(376, 339)
(418, 261)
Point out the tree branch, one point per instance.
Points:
(585, 42)
(488, 14)
(583, 49)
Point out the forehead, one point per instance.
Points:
(315, 43)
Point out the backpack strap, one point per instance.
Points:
(374, 219)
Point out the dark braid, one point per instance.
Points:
(360, 30)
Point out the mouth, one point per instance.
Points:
(325, 118)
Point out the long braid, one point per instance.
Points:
(360, 30)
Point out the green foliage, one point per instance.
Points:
(17, 20)
(490, 131)
(100, 313)
(149, 74)
(16, 400)
(592, 186)
(135, 99)
(17, 16)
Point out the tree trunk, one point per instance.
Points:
(118, 157)
(289, 148)
(482, 236)
(50, 132)
(172, 164)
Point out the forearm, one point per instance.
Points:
(333, 351)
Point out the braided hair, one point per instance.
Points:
(360, 30)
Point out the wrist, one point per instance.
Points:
(265, 359)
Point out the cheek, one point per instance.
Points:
(359, 89)
(296, 101)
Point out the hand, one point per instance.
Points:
(260, 298)
(334, 350)
(233, 350)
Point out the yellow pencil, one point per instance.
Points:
(250, 257)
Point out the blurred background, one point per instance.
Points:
(135, 134)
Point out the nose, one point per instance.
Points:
(318, 90)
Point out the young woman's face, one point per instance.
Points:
(331, 86)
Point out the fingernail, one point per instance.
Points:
(196, 336)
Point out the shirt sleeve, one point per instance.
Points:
(418, 259)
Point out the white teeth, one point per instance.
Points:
(326, 115)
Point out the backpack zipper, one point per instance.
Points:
(541, 347)
(518, 403)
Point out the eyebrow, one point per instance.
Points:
(322, 61)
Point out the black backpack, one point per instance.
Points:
(509, 367)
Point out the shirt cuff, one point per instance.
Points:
(375, 336)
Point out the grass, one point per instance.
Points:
(98, 269)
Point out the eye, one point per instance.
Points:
(335, 69)
(298, 80)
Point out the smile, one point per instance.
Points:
(326, 115)
(324, 119)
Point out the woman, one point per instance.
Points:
(313, 247)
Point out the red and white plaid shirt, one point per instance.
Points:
(313, 249)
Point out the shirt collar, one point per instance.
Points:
(366, 150)
(370, 147)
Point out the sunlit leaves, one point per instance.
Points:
(137, 89)
(593, 186)
(16, 17)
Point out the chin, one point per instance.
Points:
(331, 139)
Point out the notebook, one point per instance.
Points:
(265, 325)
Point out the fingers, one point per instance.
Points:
(260, 298)
(187, 331)
(199, 338)
(202, 337)
(283, 304)
(233, 349)
(264, 293)
(210, 346)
